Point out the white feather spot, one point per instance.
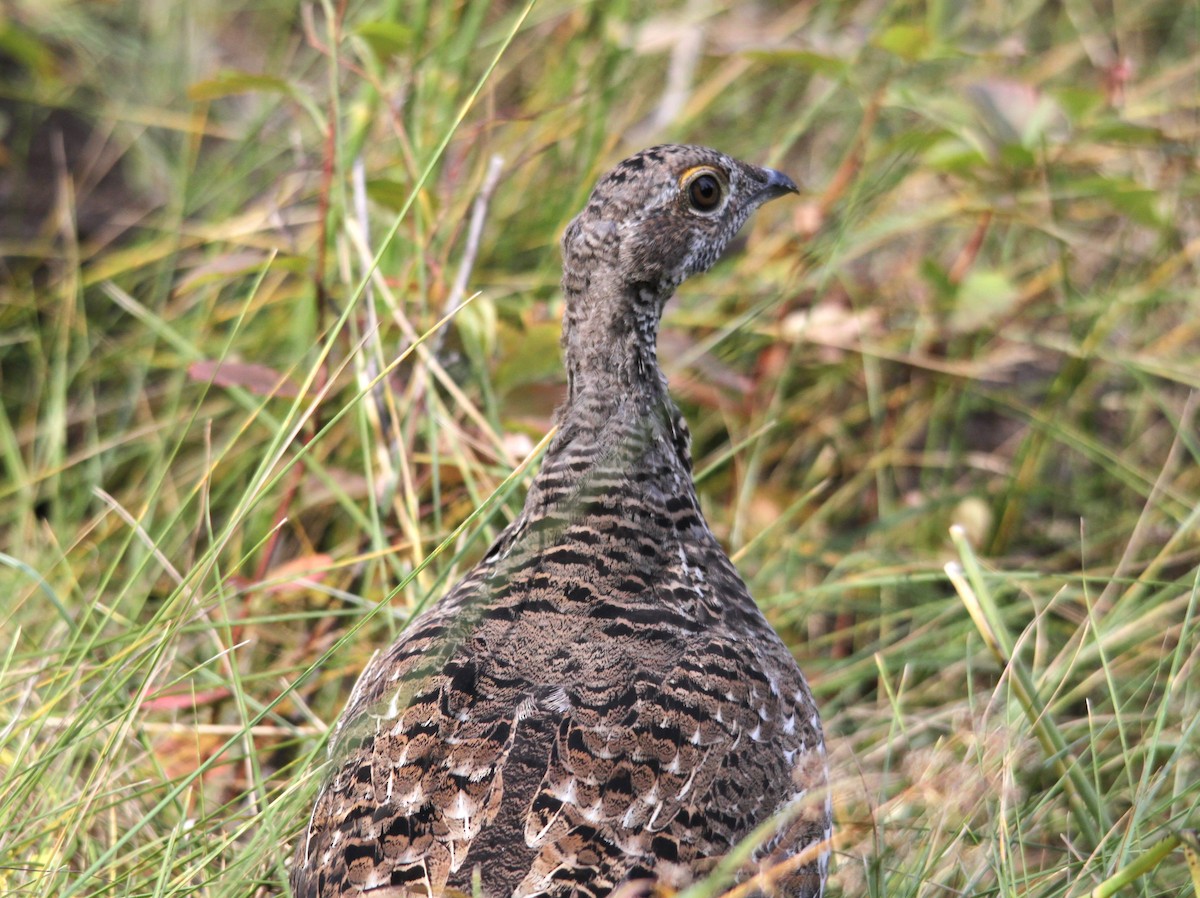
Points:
(413, 799)
(462, 808)
(565, 794)
(685, 789)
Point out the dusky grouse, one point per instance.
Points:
(598, 706)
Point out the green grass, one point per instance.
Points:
(982, 313)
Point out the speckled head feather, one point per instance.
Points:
(598, 707)
(667, 213)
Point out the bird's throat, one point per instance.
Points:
(609, 349)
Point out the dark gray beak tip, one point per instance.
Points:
(778, 184)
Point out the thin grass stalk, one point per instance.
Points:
(969, 583)
(1148, 860)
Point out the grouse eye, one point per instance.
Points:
(704, 192)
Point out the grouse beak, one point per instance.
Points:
(778, 184)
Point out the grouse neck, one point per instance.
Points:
(609, 348)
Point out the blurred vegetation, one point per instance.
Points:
(263, 389)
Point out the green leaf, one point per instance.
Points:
(806, 60)
(229, 84)
(1126, 133)
(906, 41)
(936, 277)
(387, 192)
(476, 325)
(1016, 157)
(984, 296)
(386, 39)
(1126, 196)
(954, 155)
(530, 355)
(25, 49)
(1078, 102)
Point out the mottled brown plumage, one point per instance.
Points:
(599, 704)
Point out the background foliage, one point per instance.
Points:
(264, 385)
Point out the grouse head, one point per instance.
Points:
(659, 217)
(665, 214)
